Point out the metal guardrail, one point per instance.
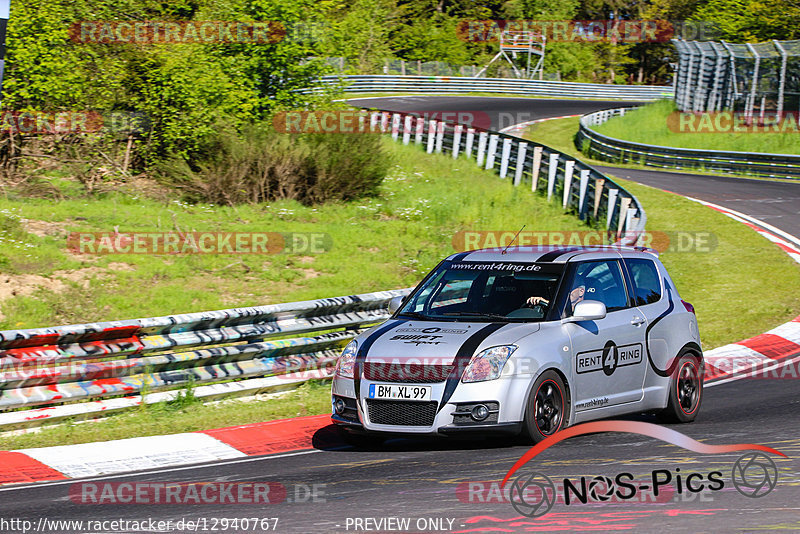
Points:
(102, 362)
(65, 364)
(602, 147)
(454, 84)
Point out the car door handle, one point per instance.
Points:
(636, 321)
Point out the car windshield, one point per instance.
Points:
(486, 292)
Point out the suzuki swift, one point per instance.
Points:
(528, 340)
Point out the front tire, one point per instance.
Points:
(685, 391)
(547, 409)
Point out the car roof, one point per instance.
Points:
(553, 254)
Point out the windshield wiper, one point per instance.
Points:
(480, 314)
(414, 315)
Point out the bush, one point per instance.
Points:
(261, 165)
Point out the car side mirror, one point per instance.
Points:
(587, 310)
(395, 304)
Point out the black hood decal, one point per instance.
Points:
(463, 357)
(363, 349)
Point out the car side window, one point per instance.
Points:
(601, 281)
(646, 282)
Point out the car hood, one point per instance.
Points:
(439, 342)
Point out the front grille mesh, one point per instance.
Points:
(388, 412)
(406, 373)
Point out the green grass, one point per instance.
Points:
(648, 124)
(719, 284)
(395, 238)
(560, 134)
(388, 239)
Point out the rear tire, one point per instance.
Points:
(685, 391)
(547, 409)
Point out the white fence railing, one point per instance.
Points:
(453, 84)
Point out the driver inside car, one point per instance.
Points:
(575, 296)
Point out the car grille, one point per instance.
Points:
(406, 373)
(386, 412)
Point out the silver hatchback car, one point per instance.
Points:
(525, 340)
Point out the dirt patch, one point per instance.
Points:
(120, 266)
(18, 285)
(309, 273)
(44, 228)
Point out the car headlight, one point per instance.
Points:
(347, 361)
(488, 364)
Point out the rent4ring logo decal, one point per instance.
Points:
(533, 494)
(608, 358)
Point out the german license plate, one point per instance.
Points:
(398, 392)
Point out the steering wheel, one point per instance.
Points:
(541, 304)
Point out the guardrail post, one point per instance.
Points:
(570, 167)
(439, 136)
(431, 136)
(457, 139)
(395, 126)
(407, 129)
(583, 188)
(481, 147)
(629, 223)
(623, 214)
(491, 152)
(598, 194)
(612, 205)
(504, 157)
(470, 141)
(520, 167)
(551, 175)
(420, 131)
(537, 166)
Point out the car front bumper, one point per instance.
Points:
(505, 396)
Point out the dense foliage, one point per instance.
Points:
(193, 96)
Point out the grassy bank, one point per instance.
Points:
(649, 124)
(717, 282)
(394, 240)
